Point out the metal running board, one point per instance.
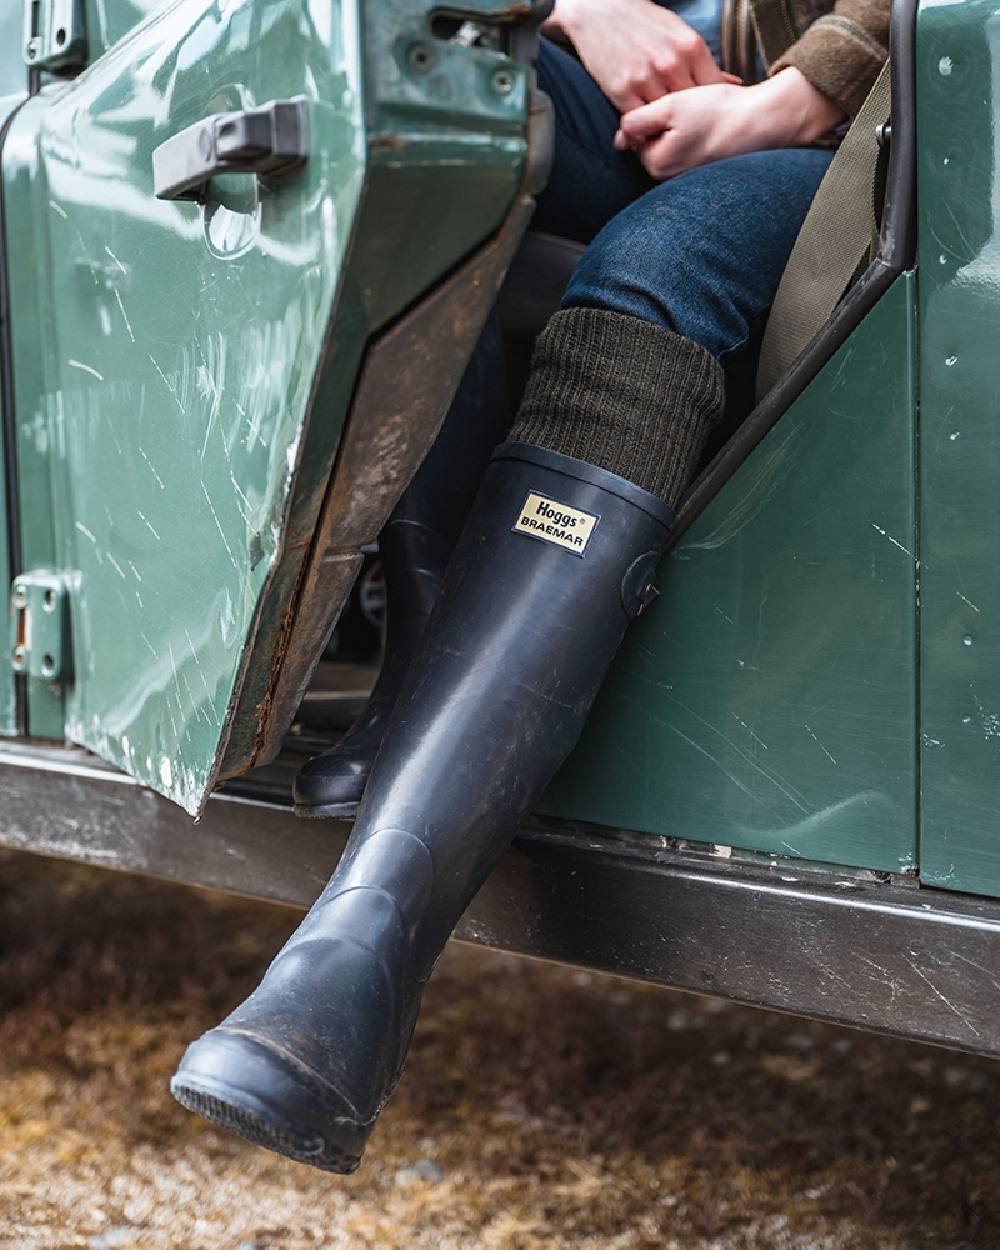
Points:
(885, 956)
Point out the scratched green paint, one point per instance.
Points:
(958, 48)
(172, 411)
(767, 701)
(13, 77)
(31, 328)
(8, 719)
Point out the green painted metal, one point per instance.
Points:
(958, 49)
(8, 718)
(187, 368)
(13, 74)
(108, 21)
(767, 699)
(8, 721)
(36, 417)
(8, 705)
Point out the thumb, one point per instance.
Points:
(648, 119)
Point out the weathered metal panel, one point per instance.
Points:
(840, 946)
(8, 717)
(767, 700)
(8, 706)
(958, 49)
(8, 701)
(13, 81)
(13, 71)
(402, 395)
(198, 361)
(30, 328)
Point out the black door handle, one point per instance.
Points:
(272, 139)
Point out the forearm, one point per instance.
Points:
(790, 111)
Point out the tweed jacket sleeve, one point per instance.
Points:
(840, 48)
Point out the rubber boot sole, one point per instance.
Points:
(235, 1082)
(328, 811)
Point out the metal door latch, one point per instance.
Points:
(40, 603)
(270, 140)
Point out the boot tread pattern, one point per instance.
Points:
(310, 1148)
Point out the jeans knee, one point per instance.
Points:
(635, 267)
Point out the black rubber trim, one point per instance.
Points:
(8, 424)
(896, 253)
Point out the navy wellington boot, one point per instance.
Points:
(555, 560)
(415, 545)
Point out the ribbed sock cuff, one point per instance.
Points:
(621, 394)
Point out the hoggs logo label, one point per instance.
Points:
(555, 522)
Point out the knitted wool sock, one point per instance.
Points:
(621, 394)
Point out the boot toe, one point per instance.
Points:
(264, 1096)
(331, 784)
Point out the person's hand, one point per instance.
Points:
(635, 50)
(691, 128)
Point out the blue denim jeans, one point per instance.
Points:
(700, 254)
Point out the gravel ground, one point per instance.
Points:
(542, 1107)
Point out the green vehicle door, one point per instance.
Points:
(183, 367)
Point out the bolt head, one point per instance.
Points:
(420, 58)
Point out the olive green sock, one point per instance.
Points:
(623, 395)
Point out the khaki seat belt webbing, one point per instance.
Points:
(835, 237)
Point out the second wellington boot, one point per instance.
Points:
(416, 545)
(554, 562)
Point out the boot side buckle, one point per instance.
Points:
(638, 590)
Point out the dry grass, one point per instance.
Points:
(542, 1107)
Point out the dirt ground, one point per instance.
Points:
(542, 1107)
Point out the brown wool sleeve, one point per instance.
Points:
(842, 52)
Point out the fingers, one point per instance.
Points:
(671, 66)
(641, 123)
(704, 67)
(624, 144)
(661, 157)
(627, 99)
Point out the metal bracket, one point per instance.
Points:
(55, 34)
(40, 604)
(271, 140)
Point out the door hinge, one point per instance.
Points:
(40, 605)
(55, 35)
